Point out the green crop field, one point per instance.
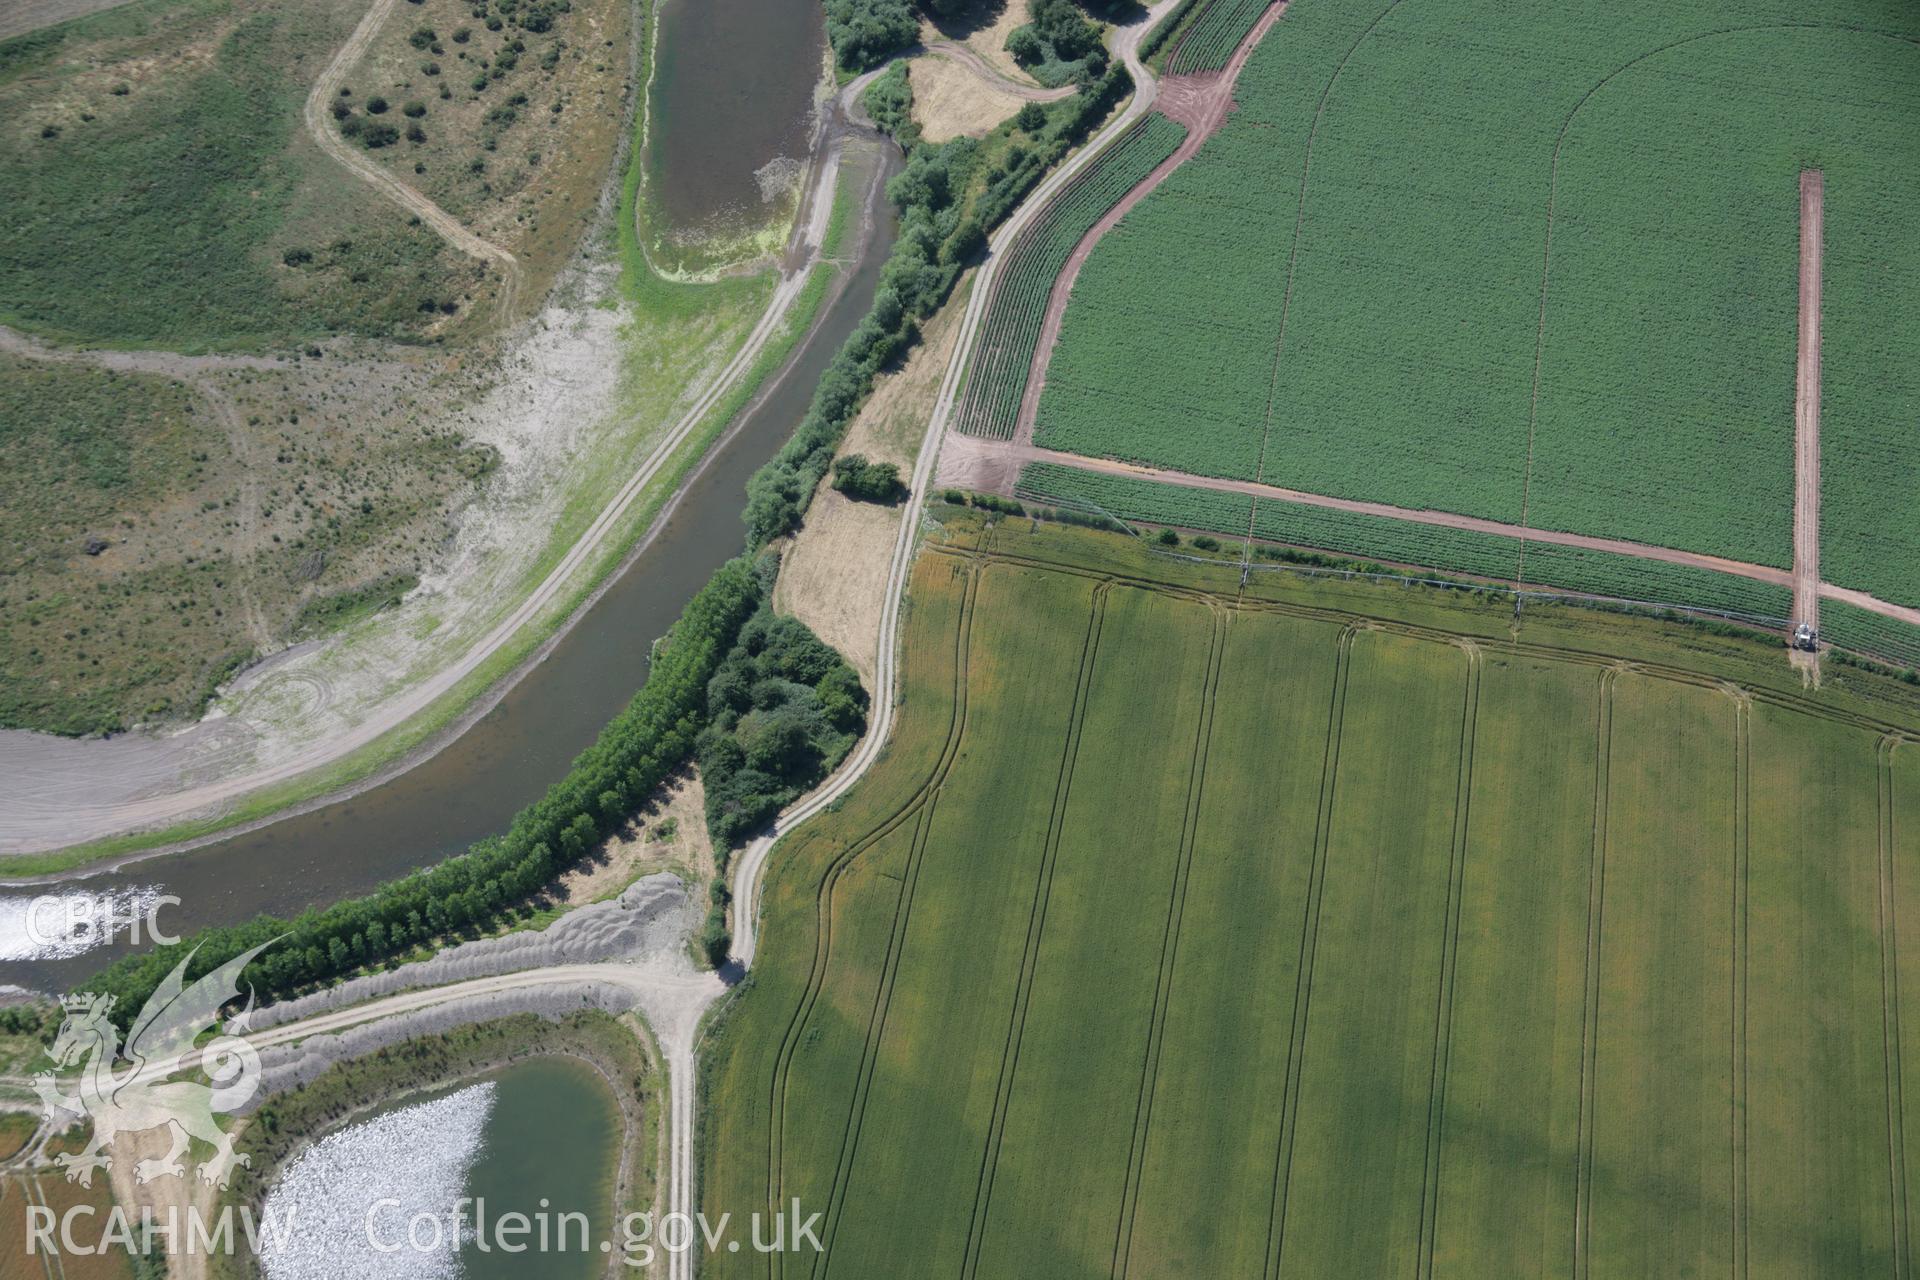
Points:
(1416, 546)
(1214, 35)
(1330, 929)
(998, 378)
(1543, 261)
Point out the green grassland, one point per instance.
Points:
(161, 191)
(1329, 928)
(1540, 262)
(88, 643)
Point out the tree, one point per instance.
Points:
(866, 481)
(1031, 119)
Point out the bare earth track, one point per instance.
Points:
(1806, 408)
(1201, 103)
(445, 224)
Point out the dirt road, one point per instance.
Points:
(1201, 103)
(445, 224)
(955, 52)
(1806, 408)
(752, 860)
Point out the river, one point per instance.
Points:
(506, 759)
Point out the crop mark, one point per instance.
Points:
(1309, 937)
(1030, 957)
(1737, 1058)
(823, 896)
(1590, 998)
(1449, 959)
(1898, 1209)
(1169, 951)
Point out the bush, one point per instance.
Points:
(376, 106)
(375, 136)
(864, 33)
(866, 481)
(1031, 119)
(422, 37)
(1168, 538)
(889, 100)
(414, 109)
(782, 711)
(1207, 542)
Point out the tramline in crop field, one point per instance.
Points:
(1454, 952)
(1536, 265)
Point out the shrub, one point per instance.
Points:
(376, 106)
(1168, 538)
(416, 134)
(422, 37)
(414, 109)
(1207, 542)
(866, 481)
(864, 33)
(375, 136)
(1031, 118)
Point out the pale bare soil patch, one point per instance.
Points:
(833, 576)
(21, 16)
(669, 833)
(989, 41)
(950, 101)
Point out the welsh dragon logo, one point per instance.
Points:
(142, 1097)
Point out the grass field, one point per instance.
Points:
(162, 192)
(1329, 929)
(1540, 261)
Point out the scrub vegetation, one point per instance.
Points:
(162, 192)
(1286, 902)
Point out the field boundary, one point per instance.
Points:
(1036, 925)
(1590, 980)
(1449, 960)
(1309, 942)
(1742, 951)
(1561, 653)
(1170, 947)
(1898, 1208)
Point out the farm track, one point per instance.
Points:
(1030, 955)
(992, 460)
(1806, 407)
(1199, 102)
(1169, 947)
(1309, 940)
(1449, 960)
(448, 227)
(1899, 1214)
(959, 54)
(1590, 984)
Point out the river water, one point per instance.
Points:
(506, 759)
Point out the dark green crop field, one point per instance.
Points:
(1331, 929)
(1535, 263)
